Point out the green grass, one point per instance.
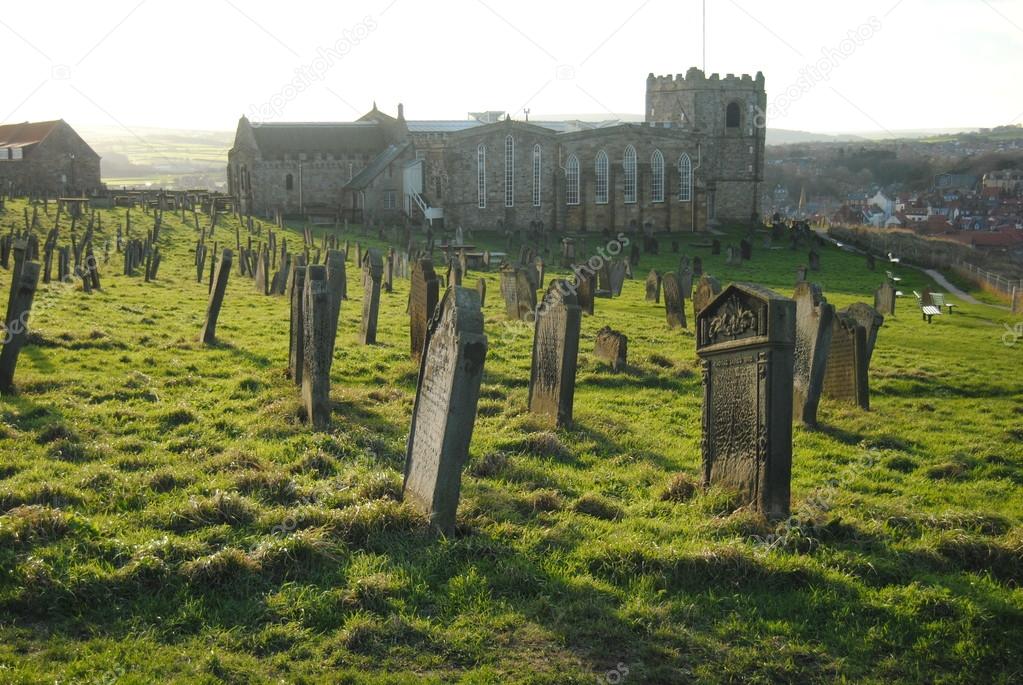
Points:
(166, 516)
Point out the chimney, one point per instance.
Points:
(401, 112)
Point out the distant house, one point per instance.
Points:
(47, 157)
(883, 202)
(951, 181)
(1008, 181)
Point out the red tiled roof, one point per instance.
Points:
(26, 133)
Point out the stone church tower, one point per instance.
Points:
(729, 116)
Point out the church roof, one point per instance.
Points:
(376, 166)
(277, 139)
(26, 133)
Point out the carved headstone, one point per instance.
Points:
(814, 321)
(674, 302)
(884, 299)
(653, 287)
(555, 354)
(372, 274)
(518, 292)
(612, 347)
(216, 301)
(870, 319)
(445, 407)
(745, 339)
(845, 376)
(423, 295)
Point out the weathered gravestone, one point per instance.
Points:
(584, 283)
(518, 292)
(318, 344)
(745, 250)
(697, 267)
(653, 287)
(814, 260)
(745, 339)
(445, 407)
(814, 320)
(481, 288)
(555, 354)
(685, 281)
(674, 302)
(732, 256)
(617, 277)
(454, 275)
(1017, 301)
(884, 299)
(23, 289)
(216, 298)
(707, 288)
(800, 274)
(423, 295)
(262, 267)
(388, 275)
(372, 273)
(715, 246)
(845, 375)
(612, 347)
(296, 337)
(335, 263)
(870, 319)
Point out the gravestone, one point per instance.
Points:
(715, 246)
(24, 281)
(845, 375)
(445, 407)
(567, 252)
(884, 299)
(318, 345)
(814, 317)
(584, 283)
(674, 302)
(634, 254)
(388, 275)
(518, 292)
(800, 274)
(871, 264)
(481, 288)
(262, 267)
(732, 256)
(745, 250)
(870, 319)
(612, 347)
(815, 260)
(745, 339)
(697, 267)
(555, 354)
(707, 288)
(540, 270)
(423, 295)
(653, 287)
(216, 298)
(617, 277)
(296, 337)
(454, 275)
(372, 274)
(685, 281)
(1017, 301)
(335, 263)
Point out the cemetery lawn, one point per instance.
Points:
(166, 516)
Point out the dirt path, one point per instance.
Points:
(943, 282)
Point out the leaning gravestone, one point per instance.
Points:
(617, 277)
(845, 375)
(481, 288)
(223, 272)
(745, 339)
(318, 345)
(653, 287)
(884, 299)
(445, 407)
(814, 316)
(870, 319)
(674, 302)
(423, 295)
(518, 292)
(612, 347)
(555, 354)
(707, 288)
(335, 262)
(23, 289)
(262, 267)
(372, 274)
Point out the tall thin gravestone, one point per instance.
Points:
(555, 354)
(745, 339)
(317, 347)
(423, 295)
(296, 336)
(445, 407)
(585, 284)
(23, 290)
(216, 301)
(814, 317)
(372, 273)
(674, 302)
(653, 287)
(335, 263)
(884, 299)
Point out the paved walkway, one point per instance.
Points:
(943, 282)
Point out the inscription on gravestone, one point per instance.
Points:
(555, 354)
(745, 339)
(612, 347)
(845, 375)
(445, 407)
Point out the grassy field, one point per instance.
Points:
(166, 516)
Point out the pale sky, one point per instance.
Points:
(201, 64)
